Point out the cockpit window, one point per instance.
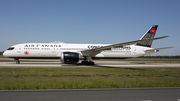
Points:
(11, 48)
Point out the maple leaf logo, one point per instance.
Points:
(152, 30)
(26, 52)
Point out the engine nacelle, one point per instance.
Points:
(69, 57)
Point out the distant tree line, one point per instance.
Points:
(1, 53)
(162, 57)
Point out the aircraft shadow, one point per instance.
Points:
(100, 66)
(79, 65)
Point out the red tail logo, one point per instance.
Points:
(152, 30)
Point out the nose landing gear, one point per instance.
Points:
(17, 60)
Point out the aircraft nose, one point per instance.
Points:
(5, 54)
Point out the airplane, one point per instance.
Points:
(72, 53)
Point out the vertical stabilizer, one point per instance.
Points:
(148, 35)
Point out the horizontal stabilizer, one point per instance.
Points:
(157, 49)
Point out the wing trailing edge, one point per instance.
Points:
(95, 51)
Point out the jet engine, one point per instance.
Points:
(69, 57)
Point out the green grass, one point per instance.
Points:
(87, 78)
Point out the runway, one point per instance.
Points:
(130, 94)
(98, 64)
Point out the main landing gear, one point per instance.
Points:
(17, 60)
(85, 62)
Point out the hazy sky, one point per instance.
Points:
(89, 21)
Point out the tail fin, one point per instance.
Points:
(148, 35)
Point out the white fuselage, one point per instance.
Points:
(72, 53)
(54, 50)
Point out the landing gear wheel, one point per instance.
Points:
(84, 62)
(91, 63)
(17, 60)
(87, 63)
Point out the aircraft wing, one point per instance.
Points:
(93, 52)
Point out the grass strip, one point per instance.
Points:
(87, 78)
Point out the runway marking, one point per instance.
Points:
(145, 100)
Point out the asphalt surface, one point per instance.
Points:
(135, 94)
(98, 64)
